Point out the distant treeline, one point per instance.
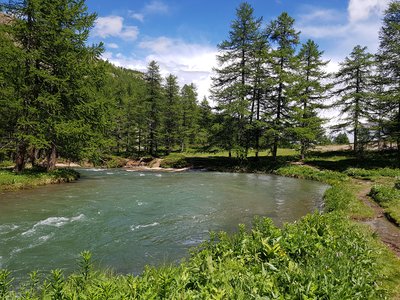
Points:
(58, 98)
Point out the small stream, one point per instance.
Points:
(131, 219)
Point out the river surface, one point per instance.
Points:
(130, 219)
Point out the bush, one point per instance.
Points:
(307, 172)
(389, 198)
(174, 161)
(372, 173)
(114, 162)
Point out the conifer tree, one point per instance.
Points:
(353, 86)
(389, 64)
(60, 80)
(172, 113)
(282, 66)
(154, 106)
(205, 123)
(309, 92)
(189, 117)
(232, 88)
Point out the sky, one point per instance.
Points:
(182, 35)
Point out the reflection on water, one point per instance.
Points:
(130, 219)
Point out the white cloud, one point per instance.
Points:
(113, 26)
(156, 7)
(342, 31)
(191, 63)
(137, 16)
(362, 9)
(112, 45)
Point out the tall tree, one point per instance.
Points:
(354, 82)
(282, 34)
(206, 121)
(309, 92)
(60, 81)
(259, 74)
(172, 113)
(10, 81)
(154, 103)
(189, 111)
(232, 88)
(389, 61)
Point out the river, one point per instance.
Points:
(131, 219)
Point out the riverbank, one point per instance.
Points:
(10, 181)
(336, 255)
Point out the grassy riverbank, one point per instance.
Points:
(10, 180)
(322, 256)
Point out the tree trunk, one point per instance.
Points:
(52, 158)
(20, 158)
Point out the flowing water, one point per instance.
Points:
(130, 219)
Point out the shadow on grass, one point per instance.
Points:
(342, 160)
(251, 164)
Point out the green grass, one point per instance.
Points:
(372, 174)
(251, 153)
(10, 180)
(389, 198)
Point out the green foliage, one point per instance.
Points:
(309, 93)
(10, 180)
(354, 86)
(307, 172)
(338, 198)
(5, 283)
(372, 173)
(389, 198)
(112, 161)
(174, 161)
(341, 139)
(389, 75)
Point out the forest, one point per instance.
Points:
(60, 99)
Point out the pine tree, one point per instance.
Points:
(232, 87)
(154, 106)
(206, 121)
(61, 77)
(354, 83)
(309, 92)
(389, 63)
(172, 113)
(282, 66)
(259, 75)
(189, 117)
(10, 81)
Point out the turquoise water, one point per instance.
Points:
(130, 219)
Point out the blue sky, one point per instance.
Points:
(182, 35)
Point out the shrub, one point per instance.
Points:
(174, 161)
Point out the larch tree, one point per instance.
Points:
(154, 106)
(282, 64)
(206, 120)
(58, 105)
(309, 92)
(189, 115)
(389, 64)
(172, 113)
(232, 86)
(353, 88)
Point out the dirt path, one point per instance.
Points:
(388, 232)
